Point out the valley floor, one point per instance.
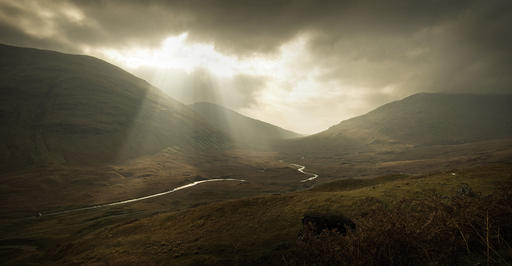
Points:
(254, 222)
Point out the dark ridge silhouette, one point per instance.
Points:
(61, 108)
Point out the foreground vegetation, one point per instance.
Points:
(464, 229)
(399, 220)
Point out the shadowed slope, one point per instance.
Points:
(421, 119)
(433, 119)
(57, 107)
(241, 128)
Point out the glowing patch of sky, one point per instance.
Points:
(292, 84)
(177, 53)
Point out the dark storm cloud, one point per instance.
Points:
(261, 26)
(238, 26)
(466, 49)
(363, 30)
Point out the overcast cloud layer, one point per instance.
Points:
(302, 65)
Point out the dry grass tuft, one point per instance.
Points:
(434, 230)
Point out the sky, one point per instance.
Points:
(302, 65)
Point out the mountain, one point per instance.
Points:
(76, 109)
(421, 119)
(243, 129)
(433, 119)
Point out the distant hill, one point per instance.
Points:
(57, 107)
(421, 119)
(241, 128)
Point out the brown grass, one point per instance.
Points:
(436, 230)
(260, 230)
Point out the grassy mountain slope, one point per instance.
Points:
(420, 119)
(433, 119)
(241, 128)
(57, 107)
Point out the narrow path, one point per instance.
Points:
(138, 199)
(301, 169)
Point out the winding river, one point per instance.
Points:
(300, 169)
(139, 199)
